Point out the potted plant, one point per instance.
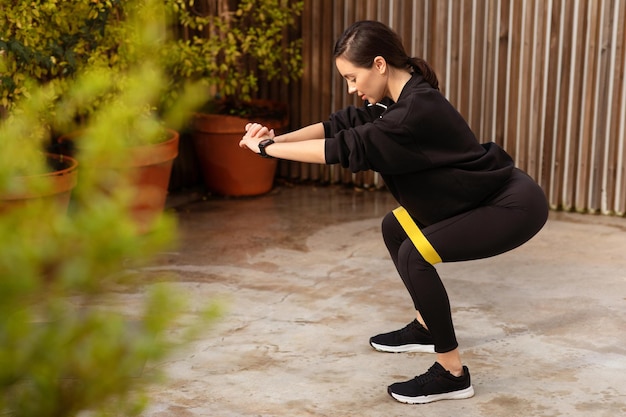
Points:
(230, 50)
(23, 67)
(51, 42)
(27, 174)
(70, 343)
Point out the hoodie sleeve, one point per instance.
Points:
(353, 116)
(377, 147)
(359, 139)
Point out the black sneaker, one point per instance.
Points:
(436, 384)
(412, 338)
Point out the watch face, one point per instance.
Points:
(265, 142)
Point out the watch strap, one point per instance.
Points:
(264, 144)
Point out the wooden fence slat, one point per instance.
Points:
(620, 182)
(544, 41)
(503, 66)
(585, 138)
(554, 150)
(571, 117)
(604, 110)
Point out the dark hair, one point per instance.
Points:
(367, 39)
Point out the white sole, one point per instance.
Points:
(456, 395)
(404, 348)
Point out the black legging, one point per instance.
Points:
(505, 222)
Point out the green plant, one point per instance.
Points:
(50, 41)
(231, 50)
(69, 342)
(39, 45)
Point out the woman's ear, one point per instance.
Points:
(380, 64)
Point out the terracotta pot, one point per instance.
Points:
(226, 168)
(61, 182)
(153, 166)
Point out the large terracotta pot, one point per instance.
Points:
(151, 169)
(61, 182)
(226, 168)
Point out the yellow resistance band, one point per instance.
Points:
(422, 244)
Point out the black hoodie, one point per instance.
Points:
(424, 150)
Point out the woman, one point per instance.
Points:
(460, 200)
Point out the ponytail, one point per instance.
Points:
(421, 67)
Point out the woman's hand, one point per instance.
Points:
(255, 133)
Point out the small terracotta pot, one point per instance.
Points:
(61, 182)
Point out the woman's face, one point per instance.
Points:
(369, 83)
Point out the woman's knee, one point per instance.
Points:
(393, 234)
(412, 259)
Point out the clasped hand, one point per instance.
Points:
(255, 133)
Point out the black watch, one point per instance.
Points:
(264, 144)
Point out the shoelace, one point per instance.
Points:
(412, 325)
(430, 375)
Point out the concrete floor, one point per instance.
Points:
(307, 280)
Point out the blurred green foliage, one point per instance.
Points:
(70, 339)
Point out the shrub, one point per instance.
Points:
(69, 339)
